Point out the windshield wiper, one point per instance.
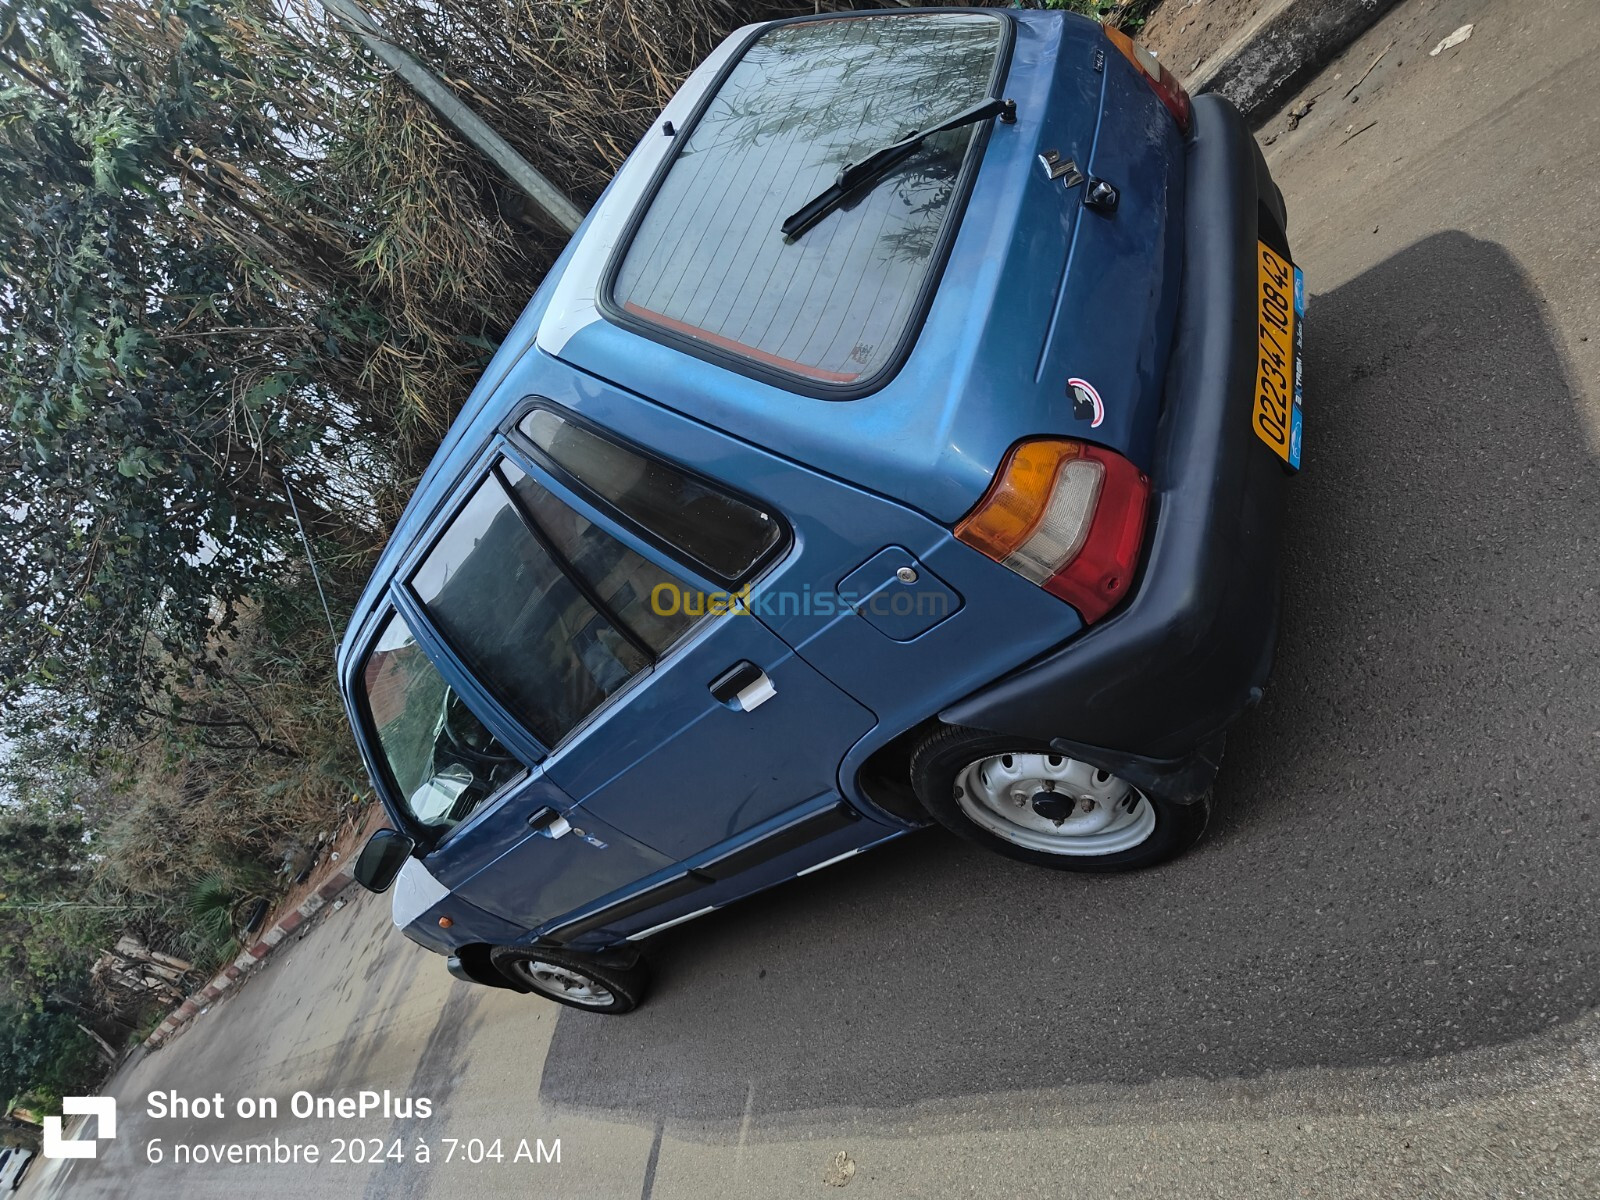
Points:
(876, 164)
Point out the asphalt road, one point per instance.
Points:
(1392, 924)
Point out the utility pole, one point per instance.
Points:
(552, 201)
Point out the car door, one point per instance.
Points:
(535, 858)
(662, 717)
(735, 731)
(729, 728)
(491, 827)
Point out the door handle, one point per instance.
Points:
(743, 686)
(547, 822)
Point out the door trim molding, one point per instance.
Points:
(791, 837)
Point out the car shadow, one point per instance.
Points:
(1402, 862)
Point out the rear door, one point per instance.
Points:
(687, 764)
(728, 728)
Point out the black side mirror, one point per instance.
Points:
(381, 859)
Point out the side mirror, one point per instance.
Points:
(381, 859)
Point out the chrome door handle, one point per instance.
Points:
(547, 822)
(743, 686)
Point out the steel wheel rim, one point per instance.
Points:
(1001, 794)
(565, 983)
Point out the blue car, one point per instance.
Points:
(903, 438)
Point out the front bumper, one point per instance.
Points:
(1148, 693)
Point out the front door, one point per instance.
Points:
(497, 832)
(534, 859)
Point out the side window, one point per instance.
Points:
(625, 582)
(441, 759)
(723, 534)
(550, 611)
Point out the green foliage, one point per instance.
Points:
(50, 924)
(211, 902)
(44, 1056)
(153, 423)
(41, 853)
(1084, 8)
(1128, 15)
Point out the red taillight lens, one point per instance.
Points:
(1164, 81)
(1067, 516)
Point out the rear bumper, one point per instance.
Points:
(1149, 692)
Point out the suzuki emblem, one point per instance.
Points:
(1056, 167)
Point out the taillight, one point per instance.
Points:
(1067, 516)
(1164, 81)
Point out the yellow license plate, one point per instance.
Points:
(1280, 312)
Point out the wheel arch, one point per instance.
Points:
(884, 777)
(472, 964)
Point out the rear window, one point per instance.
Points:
(708, 260)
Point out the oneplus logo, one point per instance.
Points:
(102, 1108)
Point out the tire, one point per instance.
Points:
(611, 984)
(990, 789)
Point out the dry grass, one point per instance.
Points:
(255, 762)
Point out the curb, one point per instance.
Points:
(230, 975)
(1264, 65)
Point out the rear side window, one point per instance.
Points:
(549, 611)
(708, 260)
(726, 536)
(621, 579)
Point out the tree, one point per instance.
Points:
(156, 417)
(44, 1056)
(246, 281)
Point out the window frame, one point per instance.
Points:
(789, 381)
(617, 520)
(496, 715)
(428, 837)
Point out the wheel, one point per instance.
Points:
(607, 984)
(1028, 802)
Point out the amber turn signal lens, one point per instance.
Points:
(1018, 499)
(1066, 516)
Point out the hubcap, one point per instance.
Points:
(1054, 804)
(565, 983)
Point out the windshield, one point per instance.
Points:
(709, 260)
(440, 758)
